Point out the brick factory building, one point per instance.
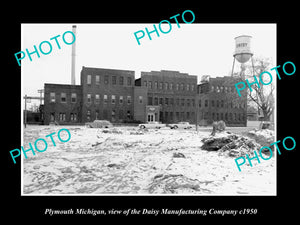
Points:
(165, 96)
(218, 100)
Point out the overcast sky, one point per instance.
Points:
(196, 49)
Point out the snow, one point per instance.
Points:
(126, 160)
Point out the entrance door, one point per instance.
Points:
(150, 117)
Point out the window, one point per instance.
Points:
(150, 100)
(166, 101)
(97, 114)
(171, 101)
(73, 116)
(222, 103)
(105, 99)
(120, 114)
(121, 80)
(62, 116)
(212, 103)
(106, 79)
(193, 102)
(192, 87)
(160, 101)
(128, 99)
(52, 96)
(213, 116)
(187, 87)
(182, 102)
(113, 99)
(187, 115)
(199, 103)
(150, 84)
(129, 81)
(128, 115)
(206, 103)
(177, 87)
(181, 87)
(160, 85)
(166, 86)
(188, 102)
(88, 115)
(171, 86)
(155, 100)
(89, 98)
(121, 99)
(145, 83)
(63, 97)
(97, 80)
(141, 99)
(113, 115)
(89, 79)
(97, 99)
(114, 80)
(212, 88)
(73, 97)
(155, 84)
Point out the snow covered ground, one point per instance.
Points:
(125, 160)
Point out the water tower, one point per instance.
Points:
(242, 52)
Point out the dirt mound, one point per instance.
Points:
(231, 144)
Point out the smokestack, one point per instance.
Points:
(73, 82)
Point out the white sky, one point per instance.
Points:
(197, 49)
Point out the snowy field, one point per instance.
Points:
(126, 160)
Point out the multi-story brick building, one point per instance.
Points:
(62, 103)
(170, 94)
(107, 94)
(218, 100)
(166, 96)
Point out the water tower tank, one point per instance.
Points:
(242, 51)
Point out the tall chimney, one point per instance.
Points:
(73, 82)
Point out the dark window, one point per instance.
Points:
(206, 103)
(114, 80)
(155, 100)
(150, 101)
(63, 97)
(129, 81)
(106, 79)
(121, 80)
(160, 101)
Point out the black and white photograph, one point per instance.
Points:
(144, 109)
(134, 112)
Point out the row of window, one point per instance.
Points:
(229, 116)
(112, 115)
(169, 86)
(113, 99)
(223, 89)
(62, 116)
(151, 101)
(109, 80)
(63, 97)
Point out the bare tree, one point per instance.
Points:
(262, 95)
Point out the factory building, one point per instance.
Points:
(218, 100)
(164, 96)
